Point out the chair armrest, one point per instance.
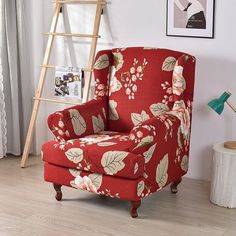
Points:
(156, 130)
(78, 121)
(163, 142)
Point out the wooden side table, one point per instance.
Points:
(223, 177)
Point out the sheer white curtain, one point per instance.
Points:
(22, 43)
(16, 73)
(2, 102)
(2, 117)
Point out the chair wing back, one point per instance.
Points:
(140, 83)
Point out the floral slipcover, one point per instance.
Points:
(133, 138)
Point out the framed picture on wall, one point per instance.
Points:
(190, 18)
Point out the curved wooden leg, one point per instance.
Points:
(133, 209)
(58, 195)
(173, 186)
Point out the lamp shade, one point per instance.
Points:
(218, 104)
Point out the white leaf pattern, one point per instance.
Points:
(113, 115)
(78, 122)
(184, 163)
(98, 124)
(161, 171)
(91, 139)
(115, 85)
(145, 141)
(105, 144)
(169, 64)
(119, 61)
(159, 109)
(74, 172)
(102, 62)
(135, 168)
(72, 183)
(138, 118)
(96, 180)
(112, 161)
(148, 154)
(74, 154)
(179, 138)
(140, 188)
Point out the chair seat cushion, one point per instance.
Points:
(112, 186)
(106, 153)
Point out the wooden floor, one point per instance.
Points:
(28, 207)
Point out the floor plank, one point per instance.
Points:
(28, 207)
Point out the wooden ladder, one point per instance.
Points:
(44, 67)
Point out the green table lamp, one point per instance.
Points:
(217, 105)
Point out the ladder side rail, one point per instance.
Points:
(40, 85)
(88, 76)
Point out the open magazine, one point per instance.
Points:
(68, 82)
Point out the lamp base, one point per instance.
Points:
(230, 144)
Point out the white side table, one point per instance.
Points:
(223, 177)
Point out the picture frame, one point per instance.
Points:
(190, 18)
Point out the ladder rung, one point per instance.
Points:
(56, 101)
(74, 35)
(52, 66)
(80, 2)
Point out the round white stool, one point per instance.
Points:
(223, 177)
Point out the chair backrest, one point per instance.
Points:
(140, 83)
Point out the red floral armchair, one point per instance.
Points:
(133, 138)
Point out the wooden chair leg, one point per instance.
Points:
(58, 195)
(133, 209)
(173, 186)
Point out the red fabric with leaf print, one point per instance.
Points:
(127, 189)
(78, 121)
(140, 80)
(145, 94)
(96, 153)
(103, 61)
(184, 68)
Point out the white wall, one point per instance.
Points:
(142, 23)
